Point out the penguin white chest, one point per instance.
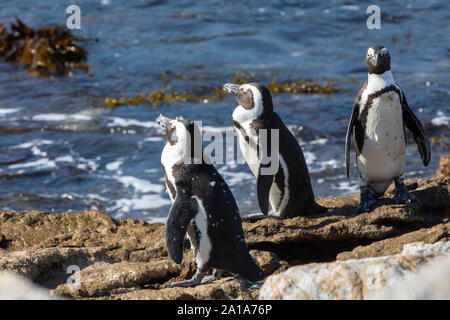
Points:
(204, 245)
(169, 158)
(383, 153)
(248, 146)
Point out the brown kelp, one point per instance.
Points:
(158, 97)
(45, 51)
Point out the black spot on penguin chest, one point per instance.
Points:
(169, 185)
(238, 126)
(194, 234)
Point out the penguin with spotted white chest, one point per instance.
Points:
(288, 187)
(380, 115)
(203, 207)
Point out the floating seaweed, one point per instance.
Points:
(159, 97)
(301, 86)
(44, 51)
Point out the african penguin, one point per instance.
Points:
(380, 115)
(282, 174)
(203, 207)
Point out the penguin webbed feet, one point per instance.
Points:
(216, 275)
(198, 278)
(367, 201)
(365, 205)
(194, 281)
(402, 195)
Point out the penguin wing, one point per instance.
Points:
(183, 210)
(266, 172)
(351, 124)
(413, 124)
(348, 136)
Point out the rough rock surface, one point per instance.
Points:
(226, 288)
(444, 167)
(321, 238)
(127, 258)
(359, 278)
(104, 278)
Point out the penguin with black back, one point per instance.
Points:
(272, 153)
(203, 207)
(378, 121)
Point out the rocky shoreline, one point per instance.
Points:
(127, 258)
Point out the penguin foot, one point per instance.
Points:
(208, 279)
(365, 205)
(401, 193)
(194, 281)
(403, 196)
(367, 200)
(217, 274)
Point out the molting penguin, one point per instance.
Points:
(203, 207)
(287, 184)
(380, 115)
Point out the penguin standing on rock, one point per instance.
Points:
(282, 174)
(380, 115)
(203, 207)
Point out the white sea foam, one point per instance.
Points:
(318, 141)
(309, 157)
(87, 164)
(324, 165)
(156, 219)
(65, 159)
(234, 178)
(350, 7)
(32, 143)
(152, 139)
(121, 122)
(4, 111)
(61, 117)
(144, 202)
(139, 185)
(347, 187)
(43, 163)
(441, 119)
(113, 166)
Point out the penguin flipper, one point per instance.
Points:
(413, 124)
(263, 184)
(351, 124)
(348, 136)
(181, 213)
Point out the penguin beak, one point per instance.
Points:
(231, 88)
(163, 121)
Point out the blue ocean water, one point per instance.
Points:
(61, 149)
